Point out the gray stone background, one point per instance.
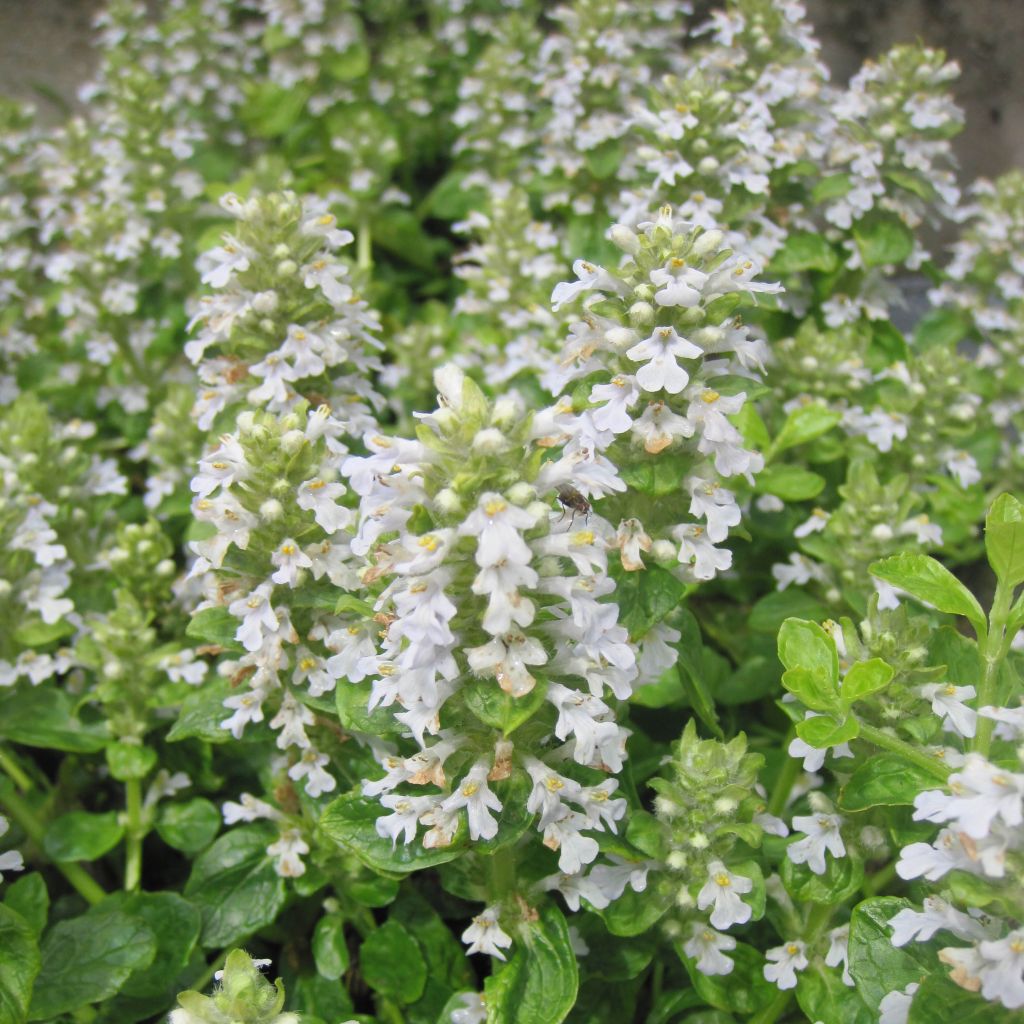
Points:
(45, 53)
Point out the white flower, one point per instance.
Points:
(248, 808)
(981, 793)
(723, 889)
(947, 702)
(923, 530)
(288, 851)
(936, 915)
(1002, 976)
(406, 813)
(289, 559)
(485, 935)
(574, 848)
(257, 615)
(679, 284)
(963, 466)
(895, 1007)
(311, 767)
(786, 961)
(319, 497)
(705, 945)
(822, 833)
(291, 719)
(697, 552)
(475, 795)
(815, 524)
(839, 951)
(11, 860)
(661, 350)
(248, 707)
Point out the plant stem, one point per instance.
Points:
(83, 883)
(773, 1011)
(364, 246)
(14, 770)
(215, 965)
(997, 643)
(887, 741)
(134, 832)
(502, 874)
(784, 783)
(879, 880)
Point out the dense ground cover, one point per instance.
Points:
(483, 537)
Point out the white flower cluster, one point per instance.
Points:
(663, 331)
(982, 834)
(284, 319)
(493, 601)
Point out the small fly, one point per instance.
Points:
(571, 499)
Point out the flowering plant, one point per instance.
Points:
(485, 533)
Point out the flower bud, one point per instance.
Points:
(271, 510)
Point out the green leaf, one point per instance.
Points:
(823, 996)
(330, 947)
(924, 578)
(804, 250)
(43, 716)
(270, 110)
(883, 239)
(28, 896)
(538, 985)
(645, 597)
(668, 690)
(128, 761)
(36, 633)
(500, 710)
(941, 328)
(749, 423)
(235, 886)
(812, 689)
(201, 713)
(604, 160)
(876, 964)
(350, 822)
(19, 965)
(189, 826)
(1004, 539)
(824, 731)
(743, 991)
(842, 877)
(352, 700)
(352, 62)
(215, 626)
(80, 835)
(392, 964)
(865, 678)
(885, 780)
(790, 483)
(940, 999)
(450, 199)
(87, 959)
(805, 424)
(632, 913)
(175, 924)
(835, 186)
(658, 476)
(773, 609)
(806, 645)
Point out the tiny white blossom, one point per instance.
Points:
(485, 935)
(822, 834)
(723, 889)
(785, 961)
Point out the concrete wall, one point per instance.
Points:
(45, 43)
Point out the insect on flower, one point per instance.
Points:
(570, 498)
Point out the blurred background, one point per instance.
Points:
(45, 53)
